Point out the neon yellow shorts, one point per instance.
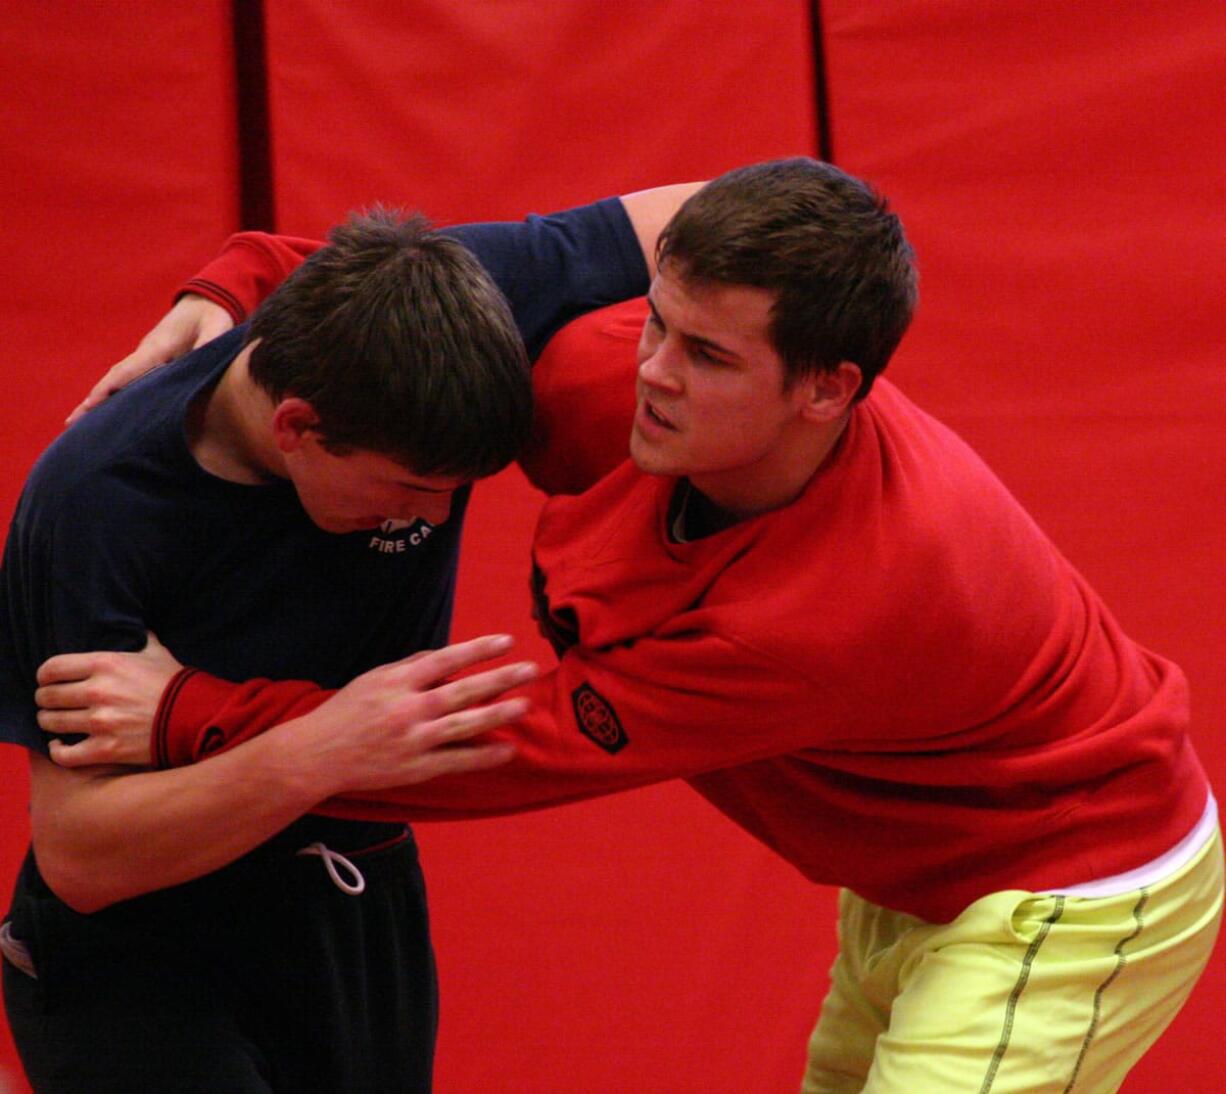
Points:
(1022, 992)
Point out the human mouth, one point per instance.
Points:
(651, 418)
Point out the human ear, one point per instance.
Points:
(829, 393)
(292, 420)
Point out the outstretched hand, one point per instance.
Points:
(409, 721)
(112, 697)
(192, 321)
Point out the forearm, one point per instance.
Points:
(200, 714)
(253, 264)
(671, 730)
(103, 837)
(651, 210)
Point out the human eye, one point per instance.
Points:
(704, 354)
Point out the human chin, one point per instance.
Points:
(333, 525)
(650, 457)
(340, 525)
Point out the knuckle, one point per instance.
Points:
(65, 756)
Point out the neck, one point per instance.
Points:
(777, 480)
(228, 428)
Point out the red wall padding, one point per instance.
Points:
(500, 108)
(118, 152)
(1062, 171)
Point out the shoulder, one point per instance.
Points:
(125, 450)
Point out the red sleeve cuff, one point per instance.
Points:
(200, 715)
(250, 266)
(217, 294)
(182, 728)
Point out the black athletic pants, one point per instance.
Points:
(262, 978)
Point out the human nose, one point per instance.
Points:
(658, 365)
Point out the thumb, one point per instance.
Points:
(157, 656)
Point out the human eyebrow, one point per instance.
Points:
(707, 344)
(714, 348)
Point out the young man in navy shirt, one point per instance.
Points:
(186, 931)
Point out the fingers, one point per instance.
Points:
(100, 723)
(68, 696)
(65, 667)
(137, 363)
(192, 321)
(464, 724)
(90, 752)
(99, 393)
(103, 666)
(428, 669)
(481, 686)
(90, 401)
(434, 750)
(63, 721)
(78, 755)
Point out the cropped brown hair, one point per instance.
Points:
(824, 242)
(403, 345)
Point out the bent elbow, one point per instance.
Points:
(78, 883)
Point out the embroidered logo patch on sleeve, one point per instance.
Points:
(597, 719)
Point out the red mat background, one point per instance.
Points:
(1060, 171)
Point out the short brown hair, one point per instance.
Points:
(403, 345)
(823, 241)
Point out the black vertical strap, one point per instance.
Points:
(821, 90)
(255, 192)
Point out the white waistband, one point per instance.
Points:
(1157, 869)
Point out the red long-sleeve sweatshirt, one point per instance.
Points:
(896, 682)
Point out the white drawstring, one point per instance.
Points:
(331, 860)
(16, 952)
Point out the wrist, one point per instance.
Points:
(301, 757)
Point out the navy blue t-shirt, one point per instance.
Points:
(119, 530)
